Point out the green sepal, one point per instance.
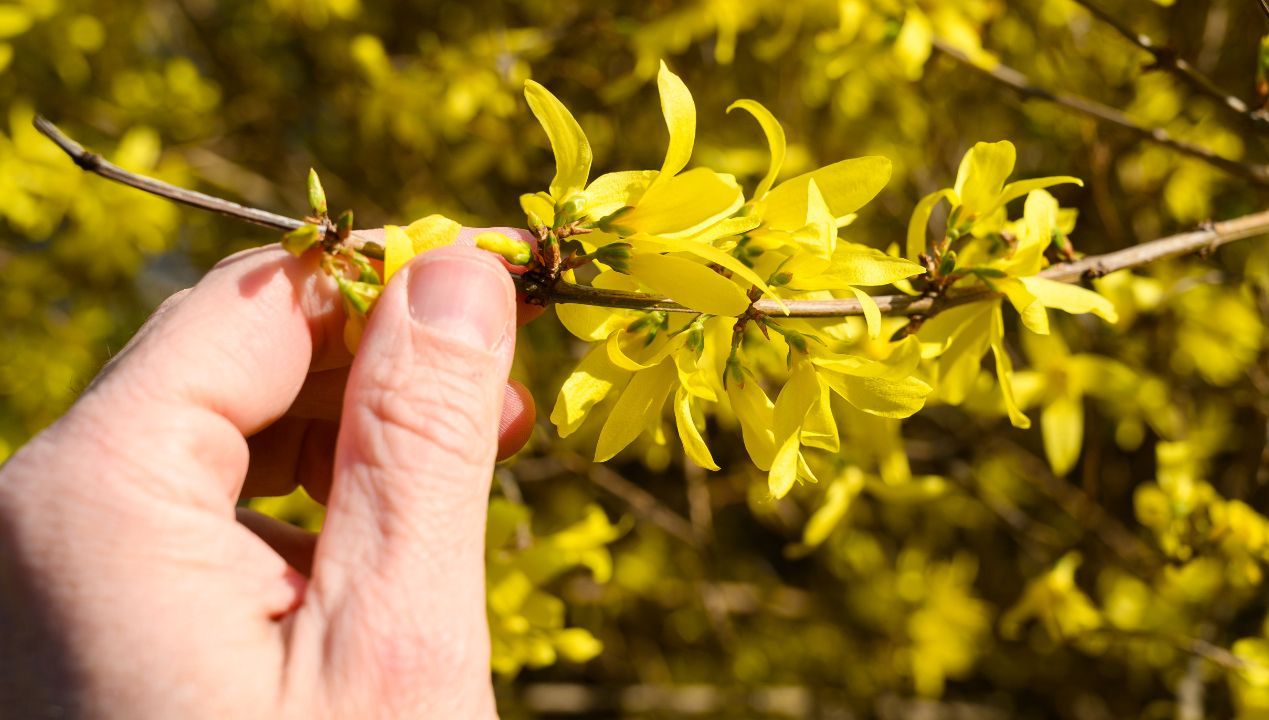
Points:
(359, 297)
(299, 240)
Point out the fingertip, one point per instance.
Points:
(519, 413)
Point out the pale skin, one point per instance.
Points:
(130, 587)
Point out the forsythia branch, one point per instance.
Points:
(1005, 75)
(1205, 239)
(1167, 59)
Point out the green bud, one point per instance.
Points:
(299, 240)
(570, 210)
(615, 256)
(948, 263)
(695, 339)
(316, 195)
(344, 224)
(359, 296)
(535, 222)
(515, 252)
(796, 341)
(1058, 239)
(780, 279)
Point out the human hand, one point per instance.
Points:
(129, 587)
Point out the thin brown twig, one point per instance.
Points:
(1205, 239)
(1166, 58)
(1005, 75)
(642, 502)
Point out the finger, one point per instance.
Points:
(398, 578)
(294, 544)
(526, 312)
(519, 413)
(223, 362)
(298, 451)
(289, 453)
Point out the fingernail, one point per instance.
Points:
(460, 293)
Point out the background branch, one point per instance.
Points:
(1205, 240)
(1005, 75)
(1166, 58)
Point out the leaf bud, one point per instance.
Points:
(316, 195)
(513, 251)
(948, 264)
(780, 279)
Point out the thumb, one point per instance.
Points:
(398, 578)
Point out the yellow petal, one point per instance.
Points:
(617, 353)
(594, 324)
(775, 141)
(568, 142)
(640, 404)
(685, 204)
(691, 376)
(846, 186)
(590, 383)
(693, 444)
(690, 284)
(680, 118)
(982, 176)
(754, 411)
(1034, 316)
(1040, 216)
(791, 407)
(918, 226)
(885, 397)
(819, 429)
(859, 265)
(1062, 425)
(397, 251)
(872, 314)
(432, 232)
(1070, 298)
(709, 253)
(1004, 372)
(1015, 190)
(613, 191)
(539, 206)
(838, 497)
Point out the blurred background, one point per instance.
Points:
(944, 571)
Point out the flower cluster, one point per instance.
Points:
(732, 266)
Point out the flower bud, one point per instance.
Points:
(570, 210)
(515, 252)
(344, 224)
(316, 195)
(615, 256)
